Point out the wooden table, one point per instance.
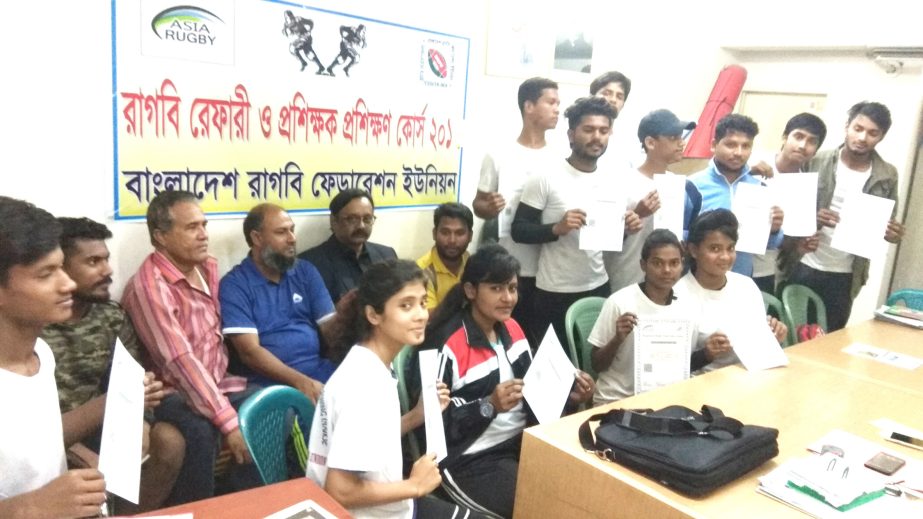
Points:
(257, 502)
(805, 401)
(827, 351)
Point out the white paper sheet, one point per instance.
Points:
(754, 344)
(672, 192)
(884, 356)
(432, 411)
(512, 194)
(662, 351)
(303, 510)
(549, 379)
(605, 225)
(751, 206)
(120, 446)
(863, 221)
(796, 194)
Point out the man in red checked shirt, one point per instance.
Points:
(173, 303)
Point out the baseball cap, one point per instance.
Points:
(662, 122)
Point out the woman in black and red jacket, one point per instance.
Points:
(484, 356)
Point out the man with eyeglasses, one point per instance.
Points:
(343, 258)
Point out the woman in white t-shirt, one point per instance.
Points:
(723, 298)
(355, 442)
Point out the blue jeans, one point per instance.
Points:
(196, 479)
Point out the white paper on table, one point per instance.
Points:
(796, 195)
(884, 356)
(671, 189)
(303, 510)
(662, 351)
(605, 225)
(549, 379)
(863, 222)
(120, 445)
(432, 411)
(754, 344)
(751, 206)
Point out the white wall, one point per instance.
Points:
(56, 123)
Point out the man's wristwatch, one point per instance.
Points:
(487, 409)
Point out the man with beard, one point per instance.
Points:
(343, 258)
(83, 347)
(551, 212)
(273, 305)
(453, 227)
(853, 167)
(732, 146)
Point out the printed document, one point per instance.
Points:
(662, 351)
(671, 189)
(605, 225)
(751, 206)
(863, 221)
(548, 382)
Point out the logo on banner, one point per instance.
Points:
(437, 63)
(186, 24)
(190, 32)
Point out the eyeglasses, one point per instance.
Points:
(353, 220)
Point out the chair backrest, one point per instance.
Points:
(399, 365)
(912, 298)
(797, 299)
(775, 308)
(578, 322)
(264, 426)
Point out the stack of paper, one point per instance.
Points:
(900, 315)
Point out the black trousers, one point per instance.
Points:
(485, 481)
(551, 308)
(832, 287)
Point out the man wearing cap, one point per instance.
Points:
(662, 137)
(732, 146)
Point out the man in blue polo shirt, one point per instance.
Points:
(272, 307)
(732, 146)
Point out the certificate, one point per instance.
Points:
(123, 422)
(751, 207)
(671, 189)
(605, 226)
(796, 195)
(548, 382)
(863, 222)
(432, 411)
(663, 348)
(512, 194)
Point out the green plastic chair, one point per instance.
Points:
(398, 365)
(775, 308)
(578, 323)
(912, 298)
(797, 299)
(263, 425)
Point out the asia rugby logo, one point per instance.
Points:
(187, 24)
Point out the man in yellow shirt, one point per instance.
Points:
(453, 226)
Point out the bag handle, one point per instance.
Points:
(712, 423)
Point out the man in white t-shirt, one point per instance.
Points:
(854, 167)
(663, 137)
(35, 291)
(802, 136)
(504, 171)
(613, 353)
(551, 213)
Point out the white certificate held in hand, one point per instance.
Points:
(432, 410)
(754, 344)
(548, 382)
(796, 195)
(120, 444)
(605, 226)
(751, 206)
(663, 348)
(863, 222)
(671, 189)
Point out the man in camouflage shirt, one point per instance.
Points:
(83, 348)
